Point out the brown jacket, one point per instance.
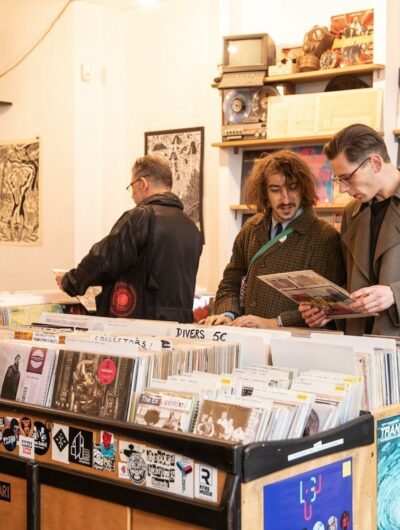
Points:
(356, 240)
(314, 244)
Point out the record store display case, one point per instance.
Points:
(219, 485)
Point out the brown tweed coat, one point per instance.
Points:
(314, 244)
(356, 241)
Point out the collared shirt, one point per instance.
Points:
(283, 223)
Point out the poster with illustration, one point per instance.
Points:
(388, 436)
(321, 499)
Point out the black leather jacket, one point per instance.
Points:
(147, 265)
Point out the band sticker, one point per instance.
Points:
(169, 472)
(26, 447)
(26, 427)
(9, 440)
(59, 447)
(133, 456)
(41, 435)
(107, 448)
(206, 482)
(97, 457)
(80, 447)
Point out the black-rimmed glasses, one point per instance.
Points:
(346, 180)
(133, 183)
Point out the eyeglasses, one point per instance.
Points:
(346, 180)
(133, 183)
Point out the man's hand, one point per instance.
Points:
(313, 316)
(59, 276)
(216, 320)
(251, 321)
(373, 299)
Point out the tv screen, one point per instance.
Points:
(245, 52)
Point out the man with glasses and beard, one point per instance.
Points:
(370, 230)
(148, 263)
(285, 235)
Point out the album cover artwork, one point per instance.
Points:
(308, 287)
(92, 383)
(354, 37)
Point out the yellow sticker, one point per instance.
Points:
(346, 471)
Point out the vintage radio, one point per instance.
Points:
(245, 112)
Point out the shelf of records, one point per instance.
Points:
(213, 381)
(24, 307)
(153, 405)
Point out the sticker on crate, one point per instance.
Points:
(388, 439)
(169, 472)
(206, 482)
(59, 447)
(318, 499)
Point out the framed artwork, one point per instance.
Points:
(184, 148)
(19, 192)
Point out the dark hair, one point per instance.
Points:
(291, 166)
(356, 142)
(155, 168)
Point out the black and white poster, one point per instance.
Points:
(19, 192)
(184, 149)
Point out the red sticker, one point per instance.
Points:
(107, 371)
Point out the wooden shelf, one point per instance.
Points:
(5, 103)
(320, 208)
(320, 75)
(275, 142)
(396, 132)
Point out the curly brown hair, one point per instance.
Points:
(284, 162)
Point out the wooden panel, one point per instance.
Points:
(63, 510)
(364, 488)
(13, 513)
(148, 521)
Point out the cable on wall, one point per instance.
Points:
(2, 74)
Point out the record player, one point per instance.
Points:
(245, 112)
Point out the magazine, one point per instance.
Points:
(308, 287)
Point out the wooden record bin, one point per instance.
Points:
(45, 494)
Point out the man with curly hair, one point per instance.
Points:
(283, 189)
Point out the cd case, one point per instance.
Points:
(308, 287)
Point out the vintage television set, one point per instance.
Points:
(246, 59)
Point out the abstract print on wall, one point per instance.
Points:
(19, 192)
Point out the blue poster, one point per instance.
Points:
(321, 499)
(388, 437)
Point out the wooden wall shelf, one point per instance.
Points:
(275, 142)
(320, 75)
(5, 103)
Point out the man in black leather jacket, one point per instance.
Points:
(148, 263)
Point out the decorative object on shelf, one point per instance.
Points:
(286, 61)
(329, 59)
(19, 187)
(316, 41)
(354, 37)
(184, 148)
(245, 112)
(345, 82)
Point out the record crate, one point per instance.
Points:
(211, 483)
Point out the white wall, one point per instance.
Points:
(41, 90)
(149, 69)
